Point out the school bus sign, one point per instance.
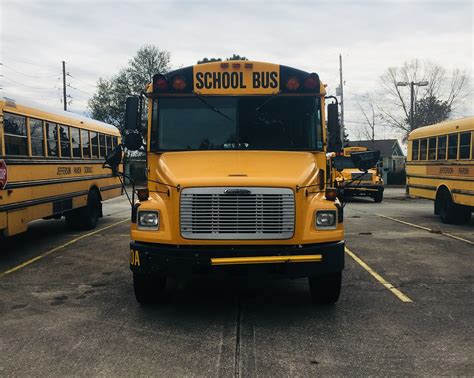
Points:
(237, 78)
(3, 174)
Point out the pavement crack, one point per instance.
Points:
(238, 331)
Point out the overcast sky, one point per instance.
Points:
(97, 38)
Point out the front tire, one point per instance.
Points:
(148, 289)
(378, 197)
(325, 289)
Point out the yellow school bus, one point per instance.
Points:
(237, 178)
(353, 182)
(51, 166)
(440, 167)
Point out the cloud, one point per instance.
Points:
(96, 38)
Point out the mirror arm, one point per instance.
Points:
(333, 98)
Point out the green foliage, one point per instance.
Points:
(209, 60)
(108, 102)
(431, 110)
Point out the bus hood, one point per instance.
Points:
(234, 168)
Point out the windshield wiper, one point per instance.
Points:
(199, 96)
(258, 108)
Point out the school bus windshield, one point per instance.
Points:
(220, 123)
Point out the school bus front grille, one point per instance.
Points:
(237, 213)
(361, 177)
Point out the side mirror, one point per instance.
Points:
(132, 138)
(334, 129)
(365, 160)
(113, 159)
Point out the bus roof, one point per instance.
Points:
(32, 109)
(463, 124)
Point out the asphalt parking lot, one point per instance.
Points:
(407, 307)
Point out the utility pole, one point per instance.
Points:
(341, 86)
(64, 86)
(412, 105)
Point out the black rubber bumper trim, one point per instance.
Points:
(169, 259)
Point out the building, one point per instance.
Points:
(392, 156)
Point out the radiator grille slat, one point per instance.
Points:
(257, 213)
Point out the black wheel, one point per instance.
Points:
(86, 218)
(378, 197)
(148, 289)
(325, 289)
(447, 209)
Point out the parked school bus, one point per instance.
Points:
(237, 178)
(353, 182)
(440, 167)
(51, 166)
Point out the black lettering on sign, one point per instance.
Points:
(256, 79)
(77, 170)
(199, 82)
(273, 79)
(62, 171)
(241, 82)
(463, 170)
(234, 78)
(216, 79)
(208, 80)
(225, 80)
(87, 169)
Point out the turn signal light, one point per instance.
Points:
(160, 84)
(292, 84)
(179, 83)
(311, 82)
(331, 194)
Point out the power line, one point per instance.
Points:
(80, 90)
(82, 81)
(28, 75)
(29, 86)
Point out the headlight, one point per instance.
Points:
(326, 219)
(148, 220)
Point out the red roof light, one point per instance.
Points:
(292, 84)
(311, 82)
(179, 83)
(160, 84)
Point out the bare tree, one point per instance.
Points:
(367, 108)
(449, 88)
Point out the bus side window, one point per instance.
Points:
(453, 146)
(37, 137)
(442, 147)
(415, 148)
(114, 141)
(109, 143)
(52, 139)
(432, 149)
(16, 140)
(65, 141)
(95, 144)
(103, 148)
(465, 146)
(423, 148)
(76, 143)
(86, 144)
